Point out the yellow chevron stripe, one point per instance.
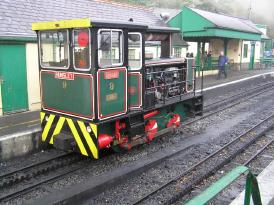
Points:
(77, 137)
(58, 128)
(94, 128)
(89, 140)
(47, 127)
(42, 116)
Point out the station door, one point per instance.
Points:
(13, 78)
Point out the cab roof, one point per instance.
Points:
(86, 23)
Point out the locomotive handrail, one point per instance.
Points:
(168, 71)
(180, 85)
(160, 86)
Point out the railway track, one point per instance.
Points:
(237, 96)
(232, 101)
(182, 184)
(110, 180)
(251, 157)
(9, 180)
(20, 181)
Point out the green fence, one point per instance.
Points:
(251, 188)
(211, 63)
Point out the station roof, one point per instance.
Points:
(17, 16)
(196, 24)
(229, 22)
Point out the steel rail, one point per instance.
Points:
(27, 189)
(18, 175)
(259, 152)
(246, 92)
(5, 174)
(226, 107)
(175, 179)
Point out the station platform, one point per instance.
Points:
(266, 186)
(211, 81)
(19, 122)
(20, 133)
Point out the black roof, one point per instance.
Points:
(17, 16)
(177, 40)
(128, 24)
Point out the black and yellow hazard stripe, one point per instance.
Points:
(87, 142)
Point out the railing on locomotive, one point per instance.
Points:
(166, 85)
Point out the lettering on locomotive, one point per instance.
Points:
(64, 75)
(111, 74)
(111, 86)
(111, 97)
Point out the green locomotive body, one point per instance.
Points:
(98, 91)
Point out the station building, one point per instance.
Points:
(239, 38)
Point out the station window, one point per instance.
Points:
(110, 50)
(178, 52)
(134, 51)
(81, 49)
(54, 49)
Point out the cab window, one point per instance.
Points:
(134, 51)
(81, 49)
(54, 49)
(110, 48)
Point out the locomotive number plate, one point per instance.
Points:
(111, 74)
(64, 75)
(111, 97)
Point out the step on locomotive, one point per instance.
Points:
(100, 90)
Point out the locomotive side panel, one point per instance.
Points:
(68, 93)
(112, 92)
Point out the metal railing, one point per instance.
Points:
(170, 82)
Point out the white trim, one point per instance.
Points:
(75, 68)
(141, 91)
(141, 52)
(126, 93)
(122, 48)
(40, 49)
(163, 63)
(93, 91)
(236, 81)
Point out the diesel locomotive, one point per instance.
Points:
(99, 90)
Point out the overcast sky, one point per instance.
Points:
(263, 8)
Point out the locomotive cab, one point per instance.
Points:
(98, 91)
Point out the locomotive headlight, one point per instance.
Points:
(47, 118)
(88, 129)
